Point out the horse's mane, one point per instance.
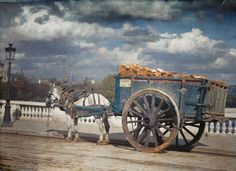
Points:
(59, 88)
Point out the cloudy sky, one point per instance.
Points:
(91, 38)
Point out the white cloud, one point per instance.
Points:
(192, 43)
(232, 52)
(138, 9)
(168, 35)
(220, 62)
(83, 44)
(121, 55)
(141, 44)
(19, 56)
(55, 27)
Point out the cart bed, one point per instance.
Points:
(197, 99)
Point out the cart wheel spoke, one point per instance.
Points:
(177, 140)
(154, 137)
(192, 124)
(165, 119)
(142, 136)
(165, 127)
(159, 106)
(153, 104)
(185, 140)
(135, 113)
(160, 134)
(146, 104)
(188, 131)
(135, 121)
(164, 111)
(147, 138)
(136, 133)
(140, 107)
(189, 135)
(136, 130)
(159, 138)
(164, 133)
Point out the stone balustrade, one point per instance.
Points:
(28, 110)
(38, 111)
(227, 127)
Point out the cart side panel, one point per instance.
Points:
(190, 99)
(186, 94)
(215, 99)
(169, 87)
(122, 93)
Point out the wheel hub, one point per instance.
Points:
(149, 121)
(146, 121)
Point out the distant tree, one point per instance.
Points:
(2, 90)
(231, 98)
(107, 86)
(231, 101)
(23, 89)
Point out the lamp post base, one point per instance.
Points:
(7, 116)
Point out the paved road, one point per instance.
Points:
(23, 153)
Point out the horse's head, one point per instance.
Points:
(53, 96)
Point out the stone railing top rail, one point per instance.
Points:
(30, 103)
(229, 112)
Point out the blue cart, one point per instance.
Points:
(162, 112)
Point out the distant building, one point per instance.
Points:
(43, 81)
(92, 81)
(3, 74)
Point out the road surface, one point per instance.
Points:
(26, 153)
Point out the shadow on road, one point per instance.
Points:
(116, 139)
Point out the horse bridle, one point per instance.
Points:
(55, 98)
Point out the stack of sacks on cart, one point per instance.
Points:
(137, 70)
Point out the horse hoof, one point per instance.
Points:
(76, 140)
(68, 139)
(102, 142)
(99, 142)
(105, 142)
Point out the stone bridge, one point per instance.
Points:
(37, 111)
(19, 151)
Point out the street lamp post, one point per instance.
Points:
(10, 54)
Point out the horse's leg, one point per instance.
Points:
(101, 130)
(69, 123)
(107, 128)
(77, 138)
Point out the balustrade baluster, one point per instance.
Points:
(227, 126)
(22, 109)
(28, 112)
(36, 112)
(209, 126)
(40, 112)
(214, 127)
(45, 112)
(221, 127)
(233, 126)
(33, 109)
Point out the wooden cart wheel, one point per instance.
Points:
(189, 134)
(150, 120)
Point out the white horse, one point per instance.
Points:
(52, 101)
